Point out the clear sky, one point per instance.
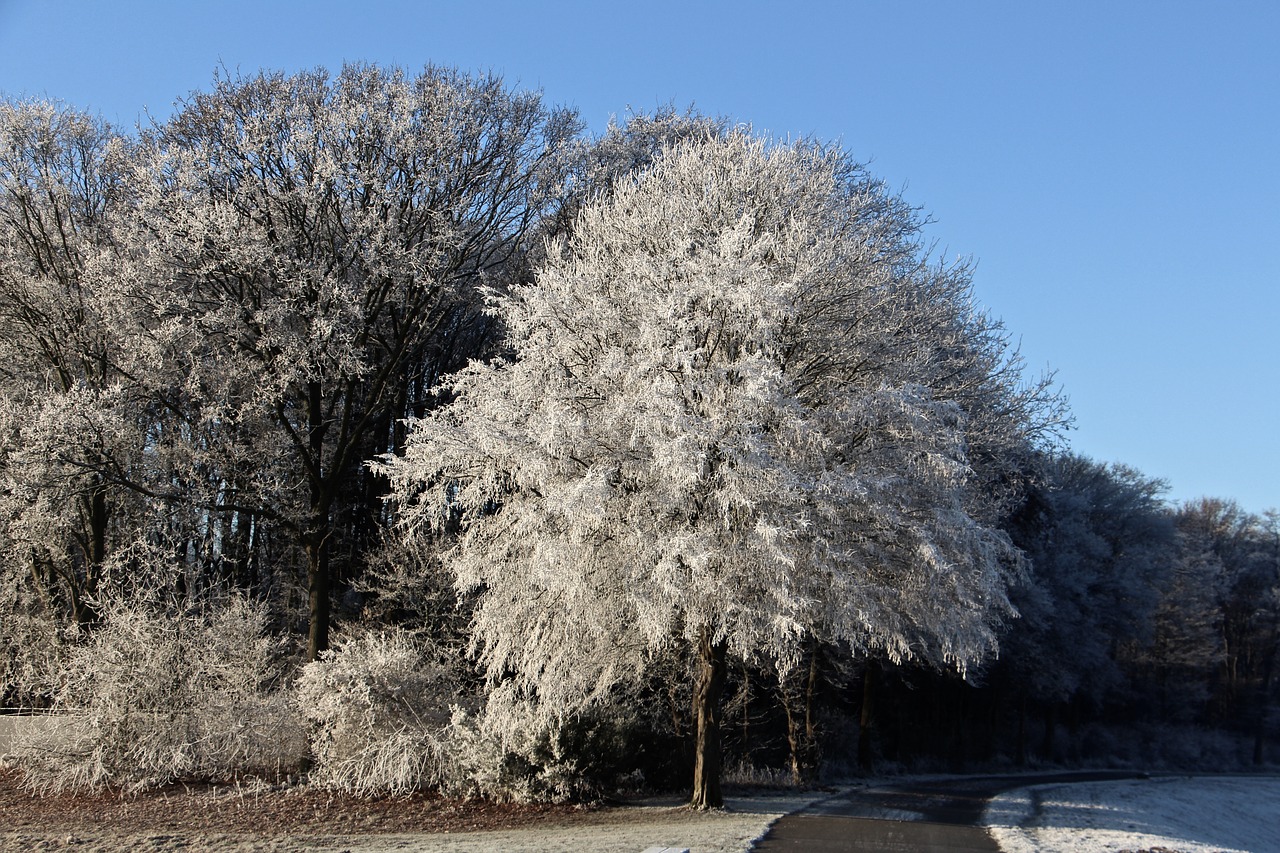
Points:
(1113, 165)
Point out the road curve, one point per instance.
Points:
(932, 815)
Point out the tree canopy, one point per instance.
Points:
(738, 414)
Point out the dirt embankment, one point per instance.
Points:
(231, 819)
(264, 813)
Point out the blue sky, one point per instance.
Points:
(1113, 166)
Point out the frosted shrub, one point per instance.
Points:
(378, 705)
(515, 751)
(154, 697)
(32, 658)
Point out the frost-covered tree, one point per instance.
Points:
(626, 147)
(740, 413)
(310, 249)
(64, 422)
(1097, 538)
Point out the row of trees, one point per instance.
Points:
(212, 326)
(628, 430)
(1147, 635)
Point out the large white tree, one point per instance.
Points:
(740, 412)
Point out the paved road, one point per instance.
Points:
(936, 815)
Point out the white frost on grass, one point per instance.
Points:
(1189, 815)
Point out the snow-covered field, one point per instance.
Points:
(1184, 814)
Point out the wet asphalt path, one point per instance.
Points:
(933, 815)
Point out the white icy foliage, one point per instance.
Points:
(725, 410)
(153, 697)
(379, 708)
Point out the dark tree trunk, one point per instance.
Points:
(316, 538)
(1050, 732)
(1264, 698)
(795, 738)
(85, 590)
(246, 530)
(317, 594)
(1020, 750)
(810, 724)
(1075, 712)
(802, 737)
(866, 718)
(706, 713)
(98, 517)
(962, 728)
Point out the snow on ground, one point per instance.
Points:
(1184, 814)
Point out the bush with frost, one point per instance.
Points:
(514, 750)
(157, 695)
(378, 705)
(32, 657)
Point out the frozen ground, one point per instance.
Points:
(1183, 814)
(630, 830)
(730, 831)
